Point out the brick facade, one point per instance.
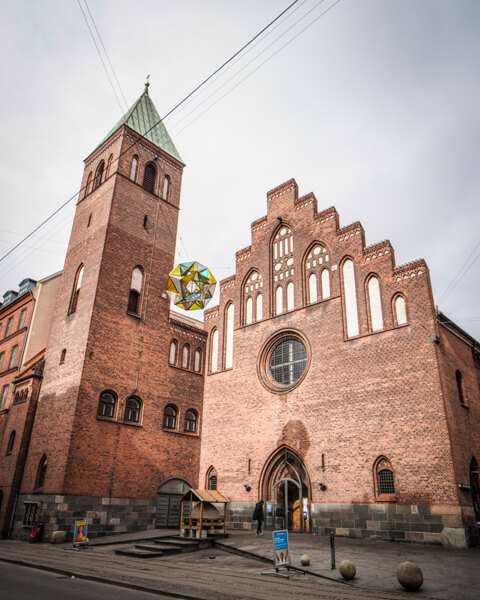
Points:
(383, 391)
(324, 383)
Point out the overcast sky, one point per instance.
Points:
(374, 108)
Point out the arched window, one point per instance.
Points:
(325, 284)
(172, 357)
(191, 421)
(135, 291)
(279, 300)
(400, 310)
(41, 472)
(230, 313)
(384, 480)
(212, 479)
(133, 168)
(11, 442)
(185, 356)
(350, 296)
(63, 354)
(459, 379)
(249, 311)
(77, 284)
(375, 304)
(132, 410)
(106, 404)
(170, 417)
(312, 288)
(283, 243)
(109, 166)
(98, 175)
(290, 296)
(88, 185)
(259, 315)
(166, 187)
(197, 363)
(214, 351)
(149, 177)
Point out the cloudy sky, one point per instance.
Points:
(374, 107)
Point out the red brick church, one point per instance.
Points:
(325, 382)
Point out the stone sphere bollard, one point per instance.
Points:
(410, 576)
(347, 569)
(305, 560)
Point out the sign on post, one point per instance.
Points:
(80, 533)
(281, 555)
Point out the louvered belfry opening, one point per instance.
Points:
(149, 178)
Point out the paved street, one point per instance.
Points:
(215, 574)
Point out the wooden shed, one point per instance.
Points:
(203, 513)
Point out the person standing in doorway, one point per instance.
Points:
(259, 516)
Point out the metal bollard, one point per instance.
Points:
(332, 549)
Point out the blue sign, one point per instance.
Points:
(281, 555)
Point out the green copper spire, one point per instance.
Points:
(145, 120)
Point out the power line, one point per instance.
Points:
(101, 57)
(460, 274)
(106, 54)
(198, 87)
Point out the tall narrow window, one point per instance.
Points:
(212, 479)
(109, 166)
(170, 417)
(279, 300)
(290, 296)
(375, 302)
(2, 354)
(312, 288)
(41, 472)
(325, 284)
(166, 187)
(259, 315)
(13, 356)
(63, 354)
(214, 352)
(351, 313)
(249, 311)
(21, 321)
(135, 291)
(9, 327)
(77, 284)
(149, 178)
(191, 421)
(133, 168)
(197, 363)
(185, 356)
(99, 175)
(11, 442)
(3, 398)
(172, 358)
(106, 404)
(385, 483)
(459, 379)
(132, 410)
(400, 310)
(229, 336)
(88, 185)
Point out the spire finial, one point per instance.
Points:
(147, 84)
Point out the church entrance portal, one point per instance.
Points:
(286, 491)
(169, 500)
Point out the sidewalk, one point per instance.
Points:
(215, 574)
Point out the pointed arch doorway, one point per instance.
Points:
(286, 490)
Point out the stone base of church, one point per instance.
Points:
(451, 526)
(105, 516)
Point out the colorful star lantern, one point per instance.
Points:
(191, 286)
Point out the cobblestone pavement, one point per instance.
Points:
(215, 574)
